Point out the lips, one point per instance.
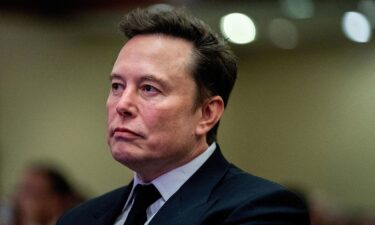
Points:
(124, 133)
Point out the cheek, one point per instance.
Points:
(166, 121)
(155, 119)
(111, 111)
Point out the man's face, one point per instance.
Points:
(152, 121)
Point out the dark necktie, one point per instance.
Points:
(144, 196)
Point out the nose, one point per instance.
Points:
(126, 105)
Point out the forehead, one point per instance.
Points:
(157, 42)
(157, 49)
(35, 179)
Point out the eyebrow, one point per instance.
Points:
(114, 76)
(148, 77)
(165, 84)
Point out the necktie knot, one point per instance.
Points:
(144, 196)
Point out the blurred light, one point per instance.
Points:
(238, 28)
(367, 7)
(298, 9)
(356, 27)
(283, 33)
(160, 8)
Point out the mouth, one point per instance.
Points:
(124, 133)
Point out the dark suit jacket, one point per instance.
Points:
(217, 194)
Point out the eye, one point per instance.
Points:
(117, 88)
(149, 89)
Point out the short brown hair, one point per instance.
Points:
(214, 67)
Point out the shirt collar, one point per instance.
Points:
(169, 183)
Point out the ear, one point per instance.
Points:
(212, 110)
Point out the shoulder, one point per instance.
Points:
(244, 182)
(253, 198)
(93, 208)
(247, 186)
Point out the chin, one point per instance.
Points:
(120, 155)
(125, 157)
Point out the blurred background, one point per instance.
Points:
(301, 113)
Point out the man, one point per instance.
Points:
(169, 87)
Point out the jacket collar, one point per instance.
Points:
(108, 212)
(196, 191)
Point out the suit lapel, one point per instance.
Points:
(195, 192)
(109, 211)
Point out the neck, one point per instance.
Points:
(149, 173)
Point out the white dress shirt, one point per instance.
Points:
(167, 184)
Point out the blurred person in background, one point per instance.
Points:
(43, 194)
